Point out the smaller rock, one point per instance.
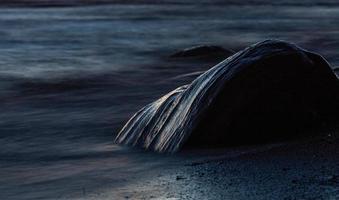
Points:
(204, 52)
(333, 179)
(180, 178)
(285, 169)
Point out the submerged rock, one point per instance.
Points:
(203, 52)
(269, 91)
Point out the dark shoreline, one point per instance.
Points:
(301, 169)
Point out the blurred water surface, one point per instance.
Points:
(70, 77)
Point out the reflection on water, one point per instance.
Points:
(70, 77)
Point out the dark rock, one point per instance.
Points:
(204, 52)
(285, 169)
(270, 91)
(180, 178)
(333, 179)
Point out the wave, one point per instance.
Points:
(270, 90)
(67, 3)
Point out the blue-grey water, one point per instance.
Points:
(70, 78)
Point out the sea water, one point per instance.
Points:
(70, 77)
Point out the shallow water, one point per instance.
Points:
(71, 77)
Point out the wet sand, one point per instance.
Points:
(306, 169)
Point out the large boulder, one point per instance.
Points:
(269, 91)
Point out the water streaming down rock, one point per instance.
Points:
(268, 91)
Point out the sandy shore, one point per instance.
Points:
(307, 169)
